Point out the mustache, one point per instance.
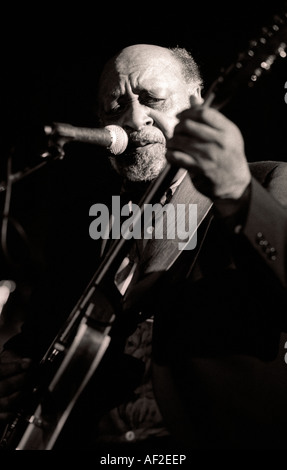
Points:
(147, 135)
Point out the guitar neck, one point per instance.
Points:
(250, 64)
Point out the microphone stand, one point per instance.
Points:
(19, 175)
(55, 152)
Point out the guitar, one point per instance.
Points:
(85, 338)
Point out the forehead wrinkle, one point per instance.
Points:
(121, 87)
(138, 67)
(138, 81)
(136, 73)
(134, 80)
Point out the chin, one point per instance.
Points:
(145, 174)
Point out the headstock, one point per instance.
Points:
(250, 64)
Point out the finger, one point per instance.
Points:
(181, 159)
(10, 386)
(206, 115)
(198, 150)
(5, 417)
(10, 403)
(196, 129)
(13, 366)
(9, 356)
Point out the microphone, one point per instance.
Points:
(113, 137)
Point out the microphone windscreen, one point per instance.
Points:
(119, 139)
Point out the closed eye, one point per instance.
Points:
(146, 100)
(114, 112)
(151, 101)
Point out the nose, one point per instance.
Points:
(136, 117)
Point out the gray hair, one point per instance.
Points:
(190, 69)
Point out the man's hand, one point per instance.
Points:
(13, 372)
(211, 148)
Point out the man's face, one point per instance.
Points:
(142, 90)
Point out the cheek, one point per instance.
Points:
(167, 119)
(165, 122)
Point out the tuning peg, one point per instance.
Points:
(277, 19)
(253, 43)
(255, 76)
(282, 51)
(266, 31)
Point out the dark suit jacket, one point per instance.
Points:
(219, 337)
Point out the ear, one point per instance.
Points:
(195, 96)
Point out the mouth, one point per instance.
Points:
(140, 147)
(144, 139)
(141, 144)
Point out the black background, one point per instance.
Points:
(51, 56)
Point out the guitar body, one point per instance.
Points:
(78, 366)
(62, 375)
